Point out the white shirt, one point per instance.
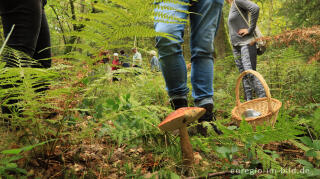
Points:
(137, 59)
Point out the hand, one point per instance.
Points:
(243, 32)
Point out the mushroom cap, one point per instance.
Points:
(181, 117)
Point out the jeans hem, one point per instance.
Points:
(178, 97)
(204, 101)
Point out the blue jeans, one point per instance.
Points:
(204, 20)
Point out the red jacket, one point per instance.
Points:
(115, 63)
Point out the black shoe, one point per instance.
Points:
(202, 130)
(209, 117)
(178, 103)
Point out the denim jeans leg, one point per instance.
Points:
(172, 63)
(204, 24)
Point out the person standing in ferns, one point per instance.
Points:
(115, 62)
(241, 36)
(154, 62)
(137, 58)
(30, 38)
(104, 55)
(204, 21)
(124, 59)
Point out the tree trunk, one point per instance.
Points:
(78, 28)
(221, 43)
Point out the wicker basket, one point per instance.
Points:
(267, 106)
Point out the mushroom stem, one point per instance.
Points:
(186, 148)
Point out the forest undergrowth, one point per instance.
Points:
(109, 129)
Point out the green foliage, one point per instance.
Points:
(227, 152)
(270, 23)
(313, 124)
(131, 110)
(311, 170)
(23, 149)
(291, 79)
(8, 165)
(115, 25)
(20, 84)
(252, 139)
(301, 12)
(314, 146)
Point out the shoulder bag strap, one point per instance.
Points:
(234, 1)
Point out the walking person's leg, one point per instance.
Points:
(43, 52)
(172, 63)
(204, 24)
(257, 86)
(249, 61)
(247, 87)
(26, 15)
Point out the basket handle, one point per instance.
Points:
(263, 82)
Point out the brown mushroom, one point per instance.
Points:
(179, 119)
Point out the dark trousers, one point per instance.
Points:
(246, 59)
(30, 35)
(31, 32)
